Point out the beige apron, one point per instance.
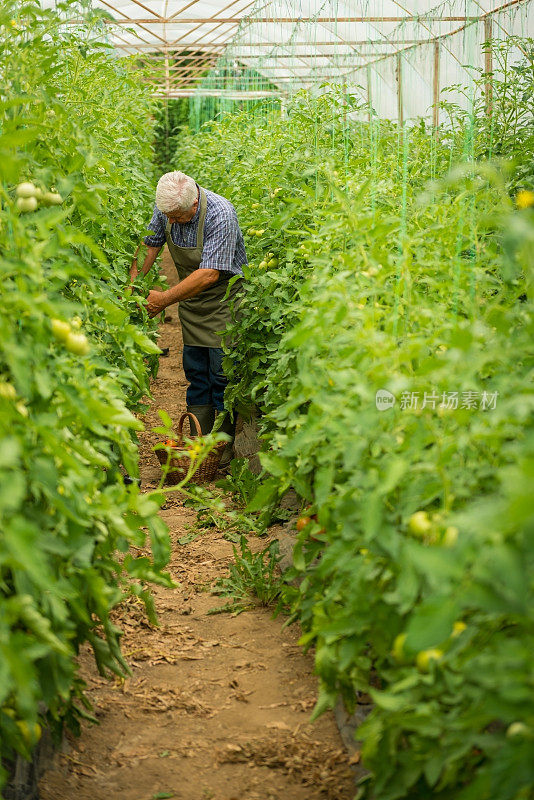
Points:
(202, 316)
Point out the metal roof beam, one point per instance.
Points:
(207, 58)
(233, 3)
(130, 21)
(313, 43)
(125, 41)
(188, 74)
(187, 69)
(422, 19)
(328, 65)
(150, 10)
(197, 45)
(181, 11)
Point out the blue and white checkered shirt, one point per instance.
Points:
(224, 248)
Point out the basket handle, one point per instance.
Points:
(184, 416)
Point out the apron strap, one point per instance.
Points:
(202, 219)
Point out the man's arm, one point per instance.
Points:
(151, 255)
(154, 242)
(195, 283)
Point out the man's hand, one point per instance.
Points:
(156, 302)
(195, 283)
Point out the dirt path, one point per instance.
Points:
(218, 706)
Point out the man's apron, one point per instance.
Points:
(202, 316)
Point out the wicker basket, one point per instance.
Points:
(179, 465)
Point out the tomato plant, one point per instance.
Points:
(396, 273)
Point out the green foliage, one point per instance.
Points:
(75, 357)
(171, 117)
(254, 579)
(388, 259)
(240, 482)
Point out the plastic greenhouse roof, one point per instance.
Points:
(294, 42)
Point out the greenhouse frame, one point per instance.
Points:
(397, 57)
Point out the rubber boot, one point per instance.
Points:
(227, 426)
(205, 416)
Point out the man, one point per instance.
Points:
(206, 244)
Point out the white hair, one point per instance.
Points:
(175, 192)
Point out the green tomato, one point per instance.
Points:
(26, 204)
(517, 730)
(419, 523)
(7, 391)
(77, 343)
(273, 262)
(30, 733)
(60, 329)
(52, 198)
(26, 190)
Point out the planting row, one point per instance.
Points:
(386, 346)
(75, 359)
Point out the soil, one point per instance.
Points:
(218, 706)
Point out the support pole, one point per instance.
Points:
(369, 95)
(167, 73)
(488, 64)
(435, 91)
(400, 106)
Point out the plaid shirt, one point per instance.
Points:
(224, 248)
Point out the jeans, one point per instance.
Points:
(207, 381)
